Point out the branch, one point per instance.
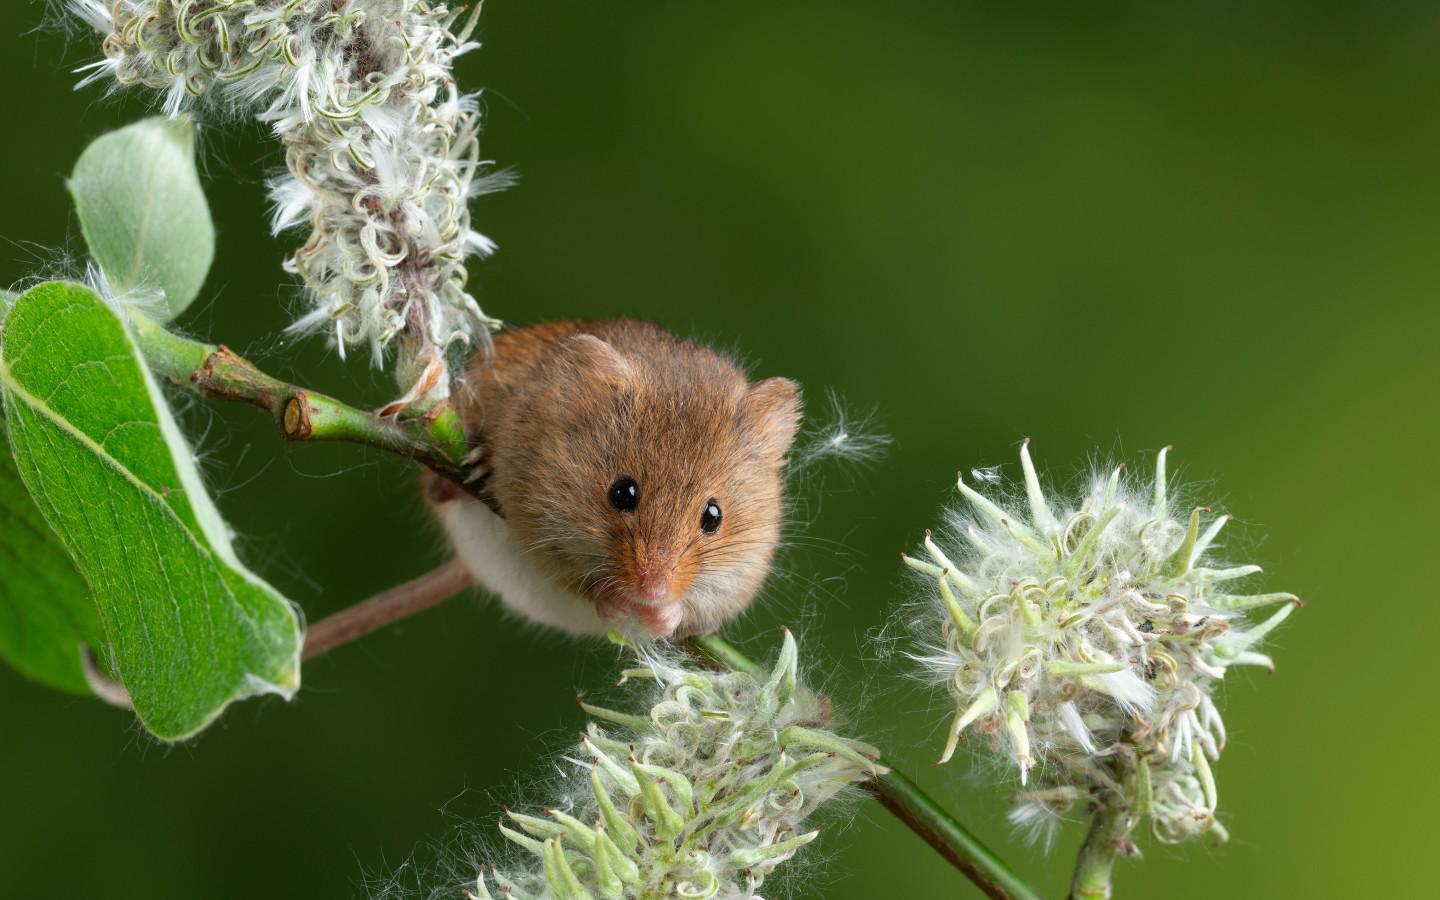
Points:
(922, 815)
(435, 439)
(399, 602)
(908, 803)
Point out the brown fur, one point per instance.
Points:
(563, 409)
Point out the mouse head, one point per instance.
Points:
(662, 500)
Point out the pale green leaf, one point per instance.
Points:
(189, 628)
(143, 212)
(46, 617)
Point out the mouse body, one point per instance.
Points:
(627, 479)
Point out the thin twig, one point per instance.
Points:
(908, 803)
(922, 815)
(399, 602)
(1107, 841)
(435, 439)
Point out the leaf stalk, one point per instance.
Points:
(435, 439)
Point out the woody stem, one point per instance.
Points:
(399, 602)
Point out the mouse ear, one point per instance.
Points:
(771, 413)
(594, 360)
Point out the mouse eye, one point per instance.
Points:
(624, 494)
(710, 517)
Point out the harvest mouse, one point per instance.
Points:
(629, 479)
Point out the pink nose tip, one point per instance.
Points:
(653, 590)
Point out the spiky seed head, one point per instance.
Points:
(1084, 639)
(703, 795)
(382, 148)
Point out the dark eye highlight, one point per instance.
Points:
(710, 517)
(624, 494)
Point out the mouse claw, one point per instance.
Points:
(476, 464)
(430, 383)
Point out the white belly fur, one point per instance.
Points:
(482, 542)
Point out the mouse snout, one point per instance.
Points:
(658, 578)
(657, 582)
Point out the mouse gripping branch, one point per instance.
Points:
(435, 439)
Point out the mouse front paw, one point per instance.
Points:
(658, 621)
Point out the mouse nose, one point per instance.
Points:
(654, 587)
(660, 575)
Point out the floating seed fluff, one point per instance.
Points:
(702, 796)
(381, 147)
(1084, 641)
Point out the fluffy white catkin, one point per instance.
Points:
(1085, 640)
(382, 149)
(702, 795)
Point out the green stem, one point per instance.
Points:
(908, 803)
(435, 439)
(922, 815)
(1107, 841)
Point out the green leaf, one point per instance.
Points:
(46, 617)
(189, 628)
(143, 212)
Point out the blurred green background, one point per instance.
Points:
(1115, 228)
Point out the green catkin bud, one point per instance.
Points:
(625, 837)
(606, 880)
(663, 817)
(1089, 642)
(560, 876)
(577, 830)
(540, 828)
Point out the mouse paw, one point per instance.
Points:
(659, 621)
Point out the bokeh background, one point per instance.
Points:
(1109, 228)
